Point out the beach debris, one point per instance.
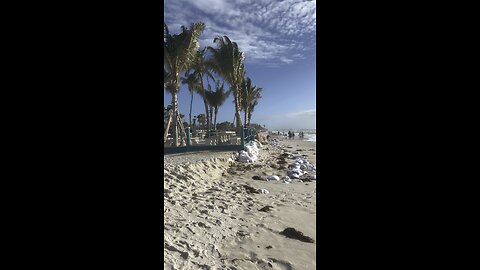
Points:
(273, 178)
(292, 233)
(250, 189)
(266, 209)
(286, 180)
(263, 191)
(281, 161)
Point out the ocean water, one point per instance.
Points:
(309, 134)
(310, 137)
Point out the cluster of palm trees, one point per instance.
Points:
(183, 55)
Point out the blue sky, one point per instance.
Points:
(278, 38)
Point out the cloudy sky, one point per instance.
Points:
(278, 38)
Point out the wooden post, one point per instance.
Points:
(188, 136)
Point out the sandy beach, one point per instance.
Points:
(215, 219)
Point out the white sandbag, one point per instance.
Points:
(273, 178)
(295, 176)
(263, 191)
(245, 158)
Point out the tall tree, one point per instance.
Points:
(179, 52)
(216, 99)
(193, 86)
(201, 69)
(201, 120)
(250, 96)
(228, 62)
(210, 98)
(219, 98)
(250, 111)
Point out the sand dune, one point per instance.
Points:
(214, 219)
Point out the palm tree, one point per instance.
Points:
(201, 119)
(165, 78)
(168, 112)
(165, 116)
(209, 96)
(228, 62)
(201, 69)
(250, 111)
(179, 52)
(193, 86)
(250, 96)
(219, 98)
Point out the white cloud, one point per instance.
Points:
(259, 27)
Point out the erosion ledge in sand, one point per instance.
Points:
(213, 220)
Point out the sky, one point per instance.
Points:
(279, 42)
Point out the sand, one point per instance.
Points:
(214, 221)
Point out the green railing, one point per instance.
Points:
(246, 136)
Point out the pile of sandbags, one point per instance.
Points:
(252, 148)
(250, 154)
(301, 167)
(245, 157)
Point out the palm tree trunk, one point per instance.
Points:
(246, 116)
(209, 123)
(249, 117)
(237, 112)
(165, 134)
(211, 116)
(215, 122)
(191, 103)
(175, 119)
(206, 106)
